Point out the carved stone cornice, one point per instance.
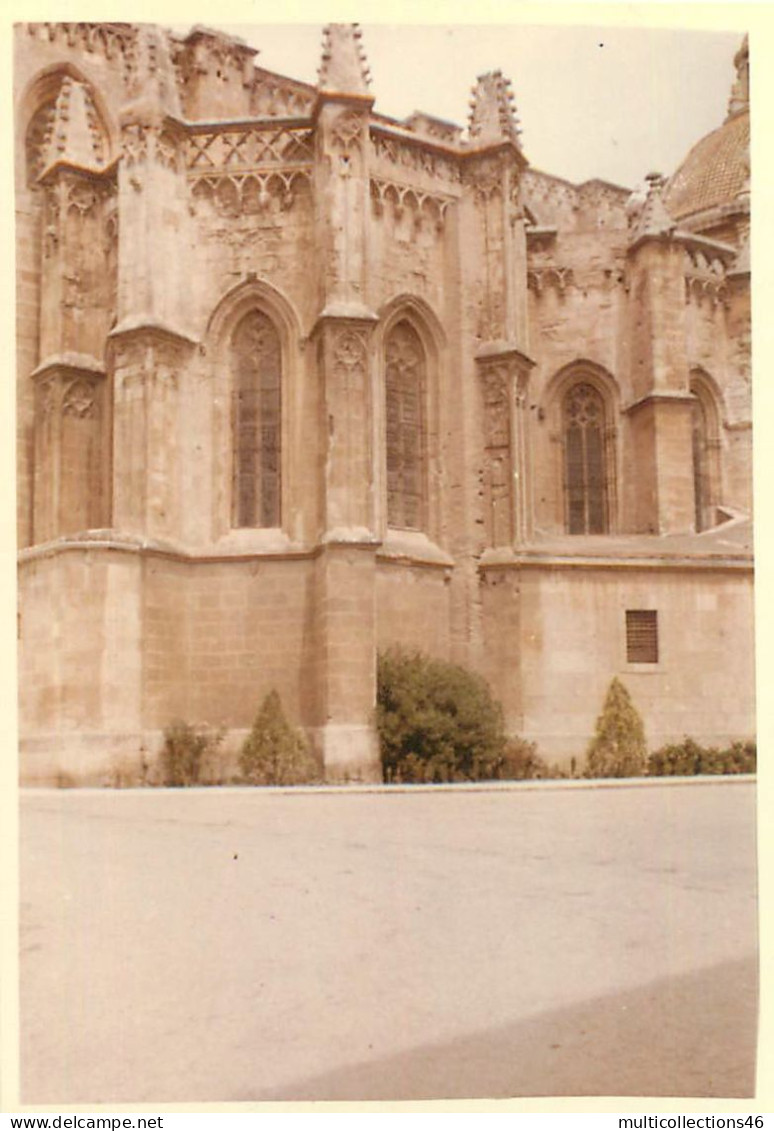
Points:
(402, 197)
(414, 155)
(132, 329)
(69, 364)
(663, 397)
(340, 314)
(499, 353)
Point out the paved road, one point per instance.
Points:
(250, 945)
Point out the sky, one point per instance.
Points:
(609, 102)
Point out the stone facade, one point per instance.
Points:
(297, 381)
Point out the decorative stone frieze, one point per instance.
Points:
(272, 96)
(114, 41)
(245, 170)
(436, 129)
(243, 148)
(557, 278)
(395, 152)
(347, 130)
(423, 205)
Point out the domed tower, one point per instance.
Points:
(689, 331)
(710, 191)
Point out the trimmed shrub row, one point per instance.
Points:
(438, 722)
(687, 758)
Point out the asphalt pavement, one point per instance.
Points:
(225, 946)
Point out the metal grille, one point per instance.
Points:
(641, 636)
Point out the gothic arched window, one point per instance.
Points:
(405, 390)
(256, 363)
(583, 431)
(704, 454)
(700, 469)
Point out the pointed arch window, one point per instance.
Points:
(700, 468)
(256, 359)
(405, 377)
(585, 479)
(704, 443)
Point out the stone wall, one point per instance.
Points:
(168, 190)
(570, 625)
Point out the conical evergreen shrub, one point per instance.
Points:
(618, 748)
(274, 752)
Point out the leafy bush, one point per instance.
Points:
(437, 722)
(617, 749)
(687, 758)
(184, 751)
(521, 762)
(274, 753)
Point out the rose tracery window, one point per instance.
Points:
(257, 375)
(583, 427)
(405, 385)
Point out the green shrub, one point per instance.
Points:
(617, 749)
(185, 748)
(437, 722)
(687, 758)
(520, 761)
(741, 758)
(274, 753)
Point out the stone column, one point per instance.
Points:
(72, 417)
(151, 350)
(660, 424)
(148, 367)
(503, 376)
(345, 643)
(345, 610)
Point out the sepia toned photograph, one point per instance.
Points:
(386, 627)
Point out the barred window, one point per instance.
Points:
(257, 379)
(405, 390)
(583, 413)
(641, 636)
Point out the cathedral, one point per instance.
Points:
(298, 382)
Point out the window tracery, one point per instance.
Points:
(257, 391)
(586, 489)
(405, 379)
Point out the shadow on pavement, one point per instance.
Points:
(693, 1035)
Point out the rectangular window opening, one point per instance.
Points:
(641, 636)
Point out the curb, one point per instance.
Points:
(542, 785)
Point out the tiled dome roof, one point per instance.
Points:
(717, 170)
